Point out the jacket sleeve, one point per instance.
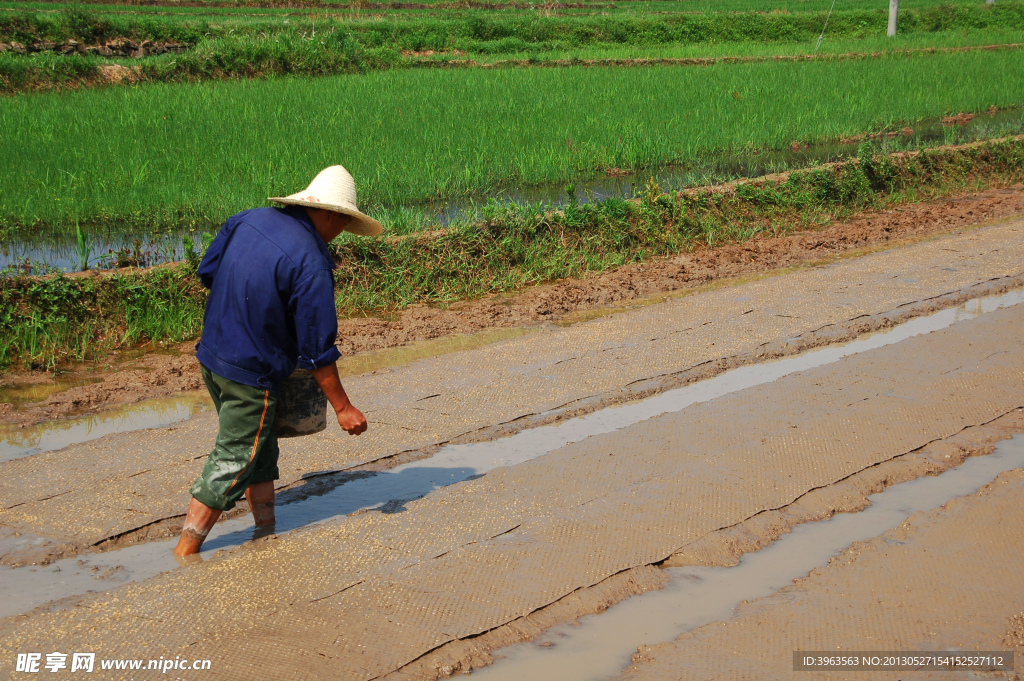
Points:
(211, 260)
(316, 320)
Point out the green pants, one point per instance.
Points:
(246, 449)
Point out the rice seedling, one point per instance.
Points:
(189, 155)
(83, 247)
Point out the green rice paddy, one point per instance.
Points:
(159, 155)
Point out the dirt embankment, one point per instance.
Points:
(565, 301)
(117, 47)
(688, 271)
(426, 59)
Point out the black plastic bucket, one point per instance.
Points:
(302, 406)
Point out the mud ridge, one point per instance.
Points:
(833, 334)
(828, 335)
(700, 61)
(721, 548)
(117, 47)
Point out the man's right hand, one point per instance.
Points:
(352, 420)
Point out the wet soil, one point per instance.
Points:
(131, 377)
(945, 579)
(723, 547)
(122, 380)
(325, 483)
(342, 597)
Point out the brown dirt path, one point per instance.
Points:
(156, 375)
(703, 61)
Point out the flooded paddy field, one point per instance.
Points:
(705, 450)
(390, 489)
(425, 145)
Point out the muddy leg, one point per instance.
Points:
(261, 500)
(199, 520)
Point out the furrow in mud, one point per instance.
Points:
(720, 548)
(944, 580)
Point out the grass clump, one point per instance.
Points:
(88, 27)
(45, 70)
(330, 52)
(48, 320)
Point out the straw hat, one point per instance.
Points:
(334, 189)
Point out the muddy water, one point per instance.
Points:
(20, 394)
(601, 646)
(30, 587)
(375, 360)
(17, 442)
(60, 250)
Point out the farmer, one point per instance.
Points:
(271, 309)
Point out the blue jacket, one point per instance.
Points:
(271, 305)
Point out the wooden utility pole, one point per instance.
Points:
(894, 9)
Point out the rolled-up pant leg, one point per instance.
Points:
(246, 449)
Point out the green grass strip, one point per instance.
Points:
(46, 321)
